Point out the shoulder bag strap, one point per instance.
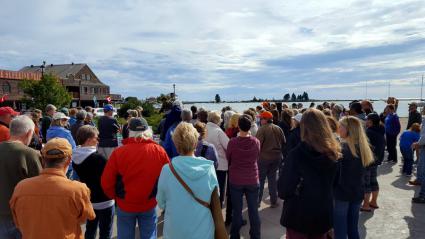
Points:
(185, 186)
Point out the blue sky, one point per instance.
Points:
(238, 49)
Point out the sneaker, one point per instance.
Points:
(418, 200)
(414, 182)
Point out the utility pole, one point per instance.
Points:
(174, 89)
(42, 68)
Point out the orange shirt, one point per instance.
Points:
(51, 206)
(4, 133)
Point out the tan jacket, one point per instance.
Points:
(272, 140)
(51, 206)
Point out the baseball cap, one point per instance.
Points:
(8, 111)
(298, 117)
(138, 124)
(413, 104)
(57, 148)
(266, 115)
(108, 108)
(64, 110)
(59, 115)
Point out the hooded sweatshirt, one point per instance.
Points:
(242, 155)
(185, 217)
(89, 166)
(306, 185)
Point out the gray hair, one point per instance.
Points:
(226, 118)
(147, 134)
(214, 117)
(50, 107)
(186, 115)
(89, 115)
(20, 125)
(81, 115)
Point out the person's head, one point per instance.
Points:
(186, 115)
(390, 109)
(72, 112)
(275, 114)
(316, 133)
(226, 118)
(194, 109)
(352, 131)
(139, 128)
(87, 135)
(202, 129)
(320, 107)
(7, 114)
(273, 106)
(286, 116)
(132, 114)
(89, 117)
(294, 106)
(251, 113)
(373, 120)
(39, 112)
(367, 106)
(139, 110)
(327, 112)
(57, 153)
(285, 106)
(50, 110)
(355, 108)
(35, 117)
(21, 129)
(300, 106)
(88, 109)
(65, 111)
(332, 123)
(312, 105)
(108, 110)
(266, 118)
(297, 120)
(60, 119)
(413, 107)
(233, 122)
(203, 116)
(415, 128)
(185, 139)
(244, 123)
(266, 105)
(337, 110)
(81, 115)
(214, 117)
(258, 108)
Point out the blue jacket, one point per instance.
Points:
(168, 143)
(392, 124)
(185, 217)
(407, 138)
(72, 120)
(60, 132)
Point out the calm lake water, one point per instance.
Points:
(240, 107)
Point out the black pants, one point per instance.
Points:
(392, 147)
(221, 178)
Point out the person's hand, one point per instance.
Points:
(415, 145)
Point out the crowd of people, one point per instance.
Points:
(60, 169)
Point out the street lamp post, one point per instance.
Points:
(42, 68)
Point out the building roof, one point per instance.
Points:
(62, 71)
(19, 75)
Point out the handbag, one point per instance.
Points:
(215, 207)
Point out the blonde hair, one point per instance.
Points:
(356, 136)
(59, 122)
(316, 132)
(214, 117)
(185, 138)
(233, 122)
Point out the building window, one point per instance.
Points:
(92, 90)
(88, 77)
(86, 90)
(6, 87)
(95, 90)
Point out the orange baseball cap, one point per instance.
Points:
(8, 111)
(266, 115)
(57, 148)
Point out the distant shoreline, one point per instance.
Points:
(281, 101)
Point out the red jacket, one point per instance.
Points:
(4, 132)
(139, 163)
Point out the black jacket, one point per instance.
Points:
(89, 170)
(349, 182)
(293, 140)
(75, 128)
(414, 117)
(376, 135)
(306, 186)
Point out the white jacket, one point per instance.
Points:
(219, 139)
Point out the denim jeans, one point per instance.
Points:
(8, 229)
(346, 219)
(126, 224)
(421, 165)
(268, 168)
(408, 160)
(104, 219)
(221, 178)
(251, 194)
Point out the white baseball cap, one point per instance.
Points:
(60, 115)
(298, 117)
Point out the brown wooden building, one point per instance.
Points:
(80, 81)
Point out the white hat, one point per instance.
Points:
(298, 117)
(60, 115)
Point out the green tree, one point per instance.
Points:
(217, 98)
(305, 96)
(286, 97)
(293, 97)
(255, 99)
(46, 91)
